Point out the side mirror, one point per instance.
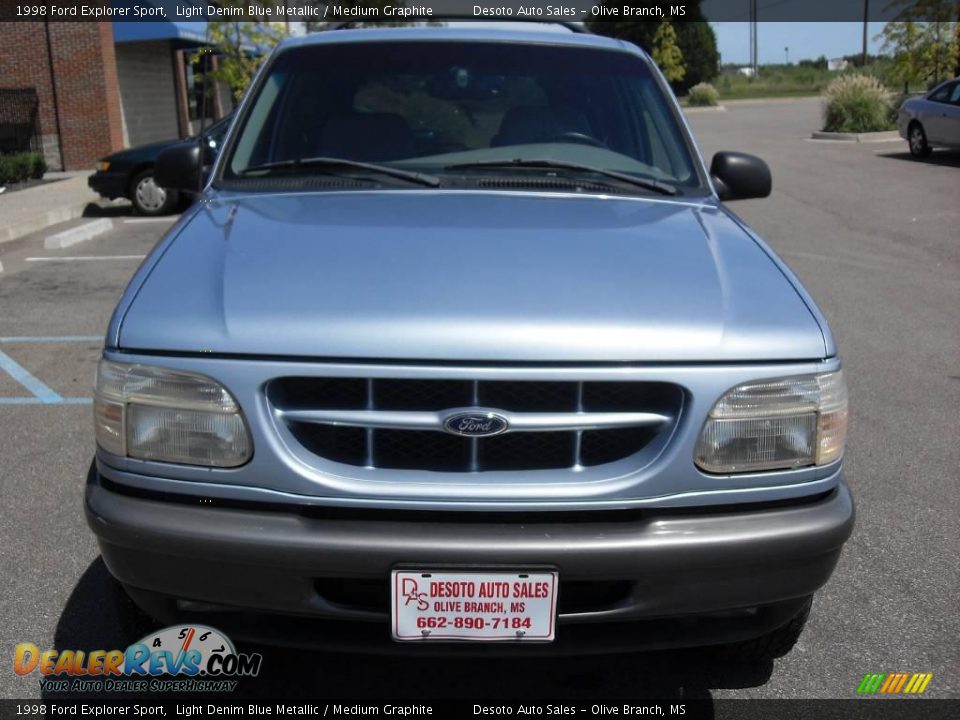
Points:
(179, 167)
(738, 176)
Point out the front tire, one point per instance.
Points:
(150, 199)
(774, 644)
(917, 139)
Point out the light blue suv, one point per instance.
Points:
(460, 351)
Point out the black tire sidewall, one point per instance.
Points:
(924, 151)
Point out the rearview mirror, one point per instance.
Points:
(179, 168)
(738, 176)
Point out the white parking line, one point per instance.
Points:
(78, 234)
(75, 258)
(41, 393)
(48, 338)
(135, 221)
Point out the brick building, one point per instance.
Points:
(73, 69)
(102, 86)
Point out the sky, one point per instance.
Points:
(806, 40)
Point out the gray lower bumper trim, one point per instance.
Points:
(678, 563)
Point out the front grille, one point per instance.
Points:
(397, 423)
(574, 596)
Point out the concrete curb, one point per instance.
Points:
(42, 220)
(77, 234)
(688, 109)
(869, 137)
(33, 210)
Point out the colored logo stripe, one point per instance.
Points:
(918, 683)
(870, 683)
(894, 683)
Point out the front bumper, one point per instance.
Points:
(109, 185)
(706, 576)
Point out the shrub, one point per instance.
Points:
(856, 104)
(703, 94)
(20, 167)
(7, 175)
(38, 166)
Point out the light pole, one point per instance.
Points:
(786, 51)
(866, 15)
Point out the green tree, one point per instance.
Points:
(942, 20)
(698, 43)
(923, 52)
(695, 38)
(666, 54)
(241, 47)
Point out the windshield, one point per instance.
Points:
(449, 108)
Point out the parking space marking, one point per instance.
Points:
(49, 338)
(42, 393)
(137, 221)
(19, 373)
(74, 258)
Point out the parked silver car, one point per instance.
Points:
(932, 120)
(461, 345)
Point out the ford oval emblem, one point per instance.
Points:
(475, 424)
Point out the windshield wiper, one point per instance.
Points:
(330, 164)
(653, 185)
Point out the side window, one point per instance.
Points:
(252, 144)
(659, 133)
(955, 95)
(943, 94)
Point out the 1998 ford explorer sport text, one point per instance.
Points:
(462, 352)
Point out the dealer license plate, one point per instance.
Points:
(429, 605)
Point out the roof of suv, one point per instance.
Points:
(532, 32)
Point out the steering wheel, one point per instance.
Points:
(581, 138)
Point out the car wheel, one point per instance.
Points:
(148, 198)
(917, 139)
(770, 646)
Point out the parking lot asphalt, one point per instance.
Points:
(872, 233)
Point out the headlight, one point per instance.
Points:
(155, 414)
(776, 424)
(103, 165)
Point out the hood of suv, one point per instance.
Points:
(451, 275)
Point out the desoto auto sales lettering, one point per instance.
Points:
(468, 589)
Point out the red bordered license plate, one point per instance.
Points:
(484, 606)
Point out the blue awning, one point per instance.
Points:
(157, 26)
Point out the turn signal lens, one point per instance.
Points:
(776, 424)
(103, 165)
(152, 413)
